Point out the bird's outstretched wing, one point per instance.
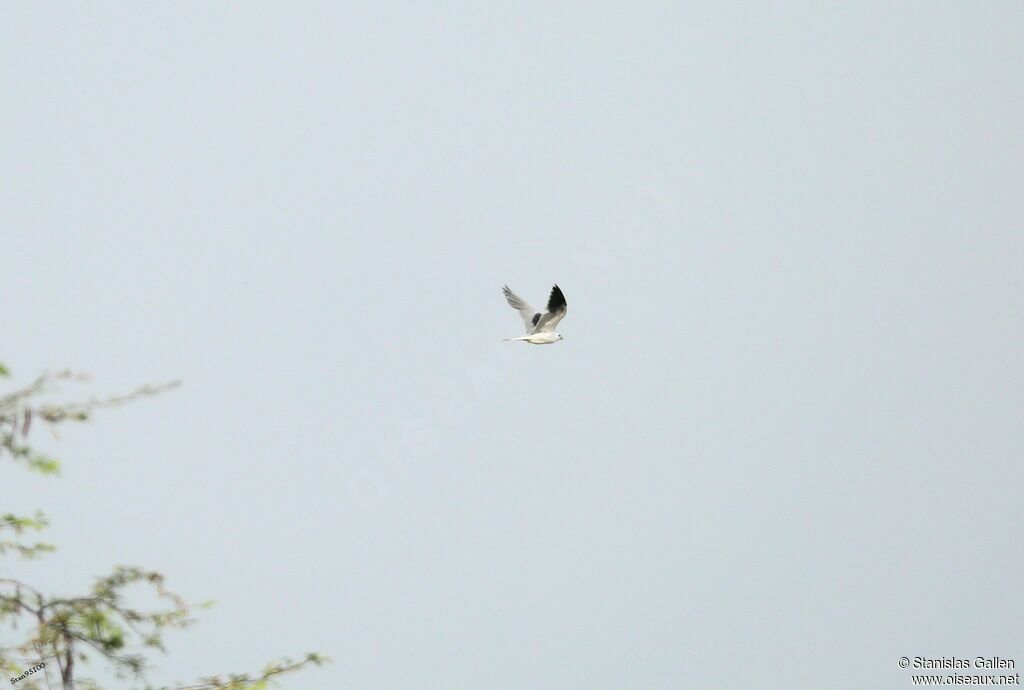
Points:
(556, 312)
(530, 317)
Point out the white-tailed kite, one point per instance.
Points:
(540, 328)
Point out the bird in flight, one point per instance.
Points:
(540, 328)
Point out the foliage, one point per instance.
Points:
(65, 632)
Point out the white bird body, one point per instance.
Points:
(538, 338)
(540, 328)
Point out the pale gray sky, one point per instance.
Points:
(780, 445)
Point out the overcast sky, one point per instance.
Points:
(779, 447)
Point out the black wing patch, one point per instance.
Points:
(536, 318)
(556, 302)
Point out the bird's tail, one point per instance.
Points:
(519, 338)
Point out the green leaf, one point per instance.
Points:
(44, 465)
